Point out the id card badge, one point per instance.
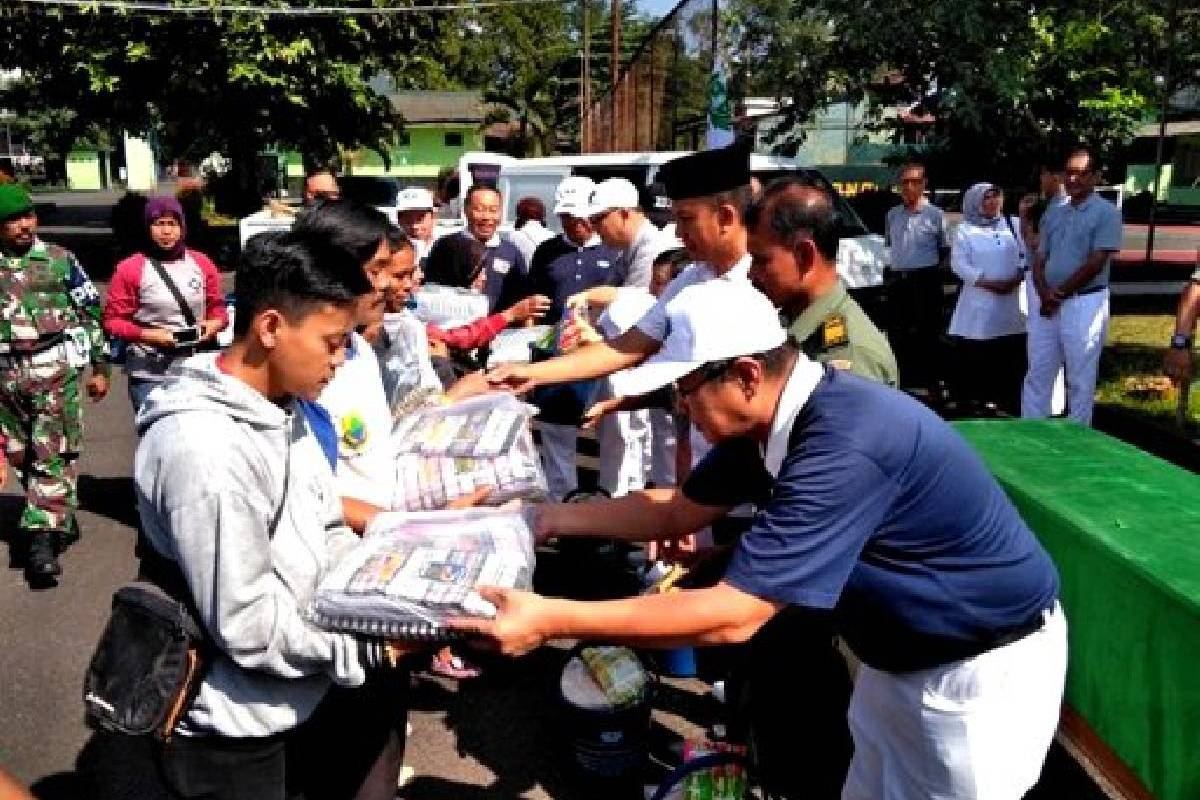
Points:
(79, 347)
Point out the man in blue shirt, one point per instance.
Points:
(872, 511)
(915, 231)
(562, 267)
(1070, 276)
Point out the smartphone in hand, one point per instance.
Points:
(187, 337)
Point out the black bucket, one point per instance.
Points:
(611, 743)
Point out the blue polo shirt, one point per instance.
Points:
(1070, 233)
(561, 268)
(917, 238)
(884, 516)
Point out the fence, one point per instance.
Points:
(661, 96)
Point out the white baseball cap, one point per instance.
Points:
(709, 321)
(572, 195)
(612, 194)
(414, 198)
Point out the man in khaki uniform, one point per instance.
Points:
(793, 243)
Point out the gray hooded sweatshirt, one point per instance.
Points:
(209, 475)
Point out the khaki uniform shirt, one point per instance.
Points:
(835, 330)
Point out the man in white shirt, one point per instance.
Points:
(529, 228)
(414, 213)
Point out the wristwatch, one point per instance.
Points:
(1181, 341)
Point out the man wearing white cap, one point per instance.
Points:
(620, 222)
(561, 267)
(873, 511)
(414, 212)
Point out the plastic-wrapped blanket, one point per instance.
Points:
(514, 346)
(446, 452)
(449, 306)
(413, 572)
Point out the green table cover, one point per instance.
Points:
(1123, 528)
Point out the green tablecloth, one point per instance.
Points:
(1123, 527)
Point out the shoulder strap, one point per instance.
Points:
(165, 277)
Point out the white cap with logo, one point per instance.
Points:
(415, 198)
(710, 321)
(572, 195)
(612, 194)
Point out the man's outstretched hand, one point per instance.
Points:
(519, 625)
(511, 377)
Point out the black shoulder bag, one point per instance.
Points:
(189, 317)
(154, 651)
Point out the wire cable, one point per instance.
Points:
(275, 11)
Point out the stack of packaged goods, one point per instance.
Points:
(448, 306)
(414, 572)
(448, 451)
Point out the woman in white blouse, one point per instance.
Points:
(988, 325)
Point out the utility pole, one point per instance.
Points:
(585, 83)
(615, 70)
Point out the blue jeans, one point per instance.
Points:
(138, 390)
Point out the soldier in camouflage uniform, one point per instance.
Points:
(49, 331)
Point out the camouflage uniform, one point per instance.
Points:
(49, 328)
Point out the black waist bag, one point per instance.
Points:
(147, 666)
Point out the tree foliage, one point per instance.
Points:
(1008, 82)
(232, 82)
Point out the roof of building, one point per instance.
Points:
(1173, 129)
(418, 107)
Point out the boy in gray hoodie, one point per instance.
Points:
(223, 456)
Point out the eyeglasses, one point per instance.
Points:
(705, 374)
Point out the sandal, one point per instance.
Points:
(453, 667)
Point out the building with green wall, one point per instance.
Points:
(439, 127)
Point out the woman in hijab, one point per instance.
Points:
(987, 324)
(164, 302)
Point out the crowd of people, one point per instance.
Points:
(746, 409)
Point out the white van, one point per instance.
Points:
(861, 257)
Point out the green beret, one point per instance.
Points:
(14, 201)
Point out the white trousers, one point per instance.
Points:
(660, 461)
(621, 438)
(1072, 339)
(558, 458)
(1030, 303)
(977, 729)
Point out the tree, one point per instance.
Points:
(1008, 81)
(233, 82)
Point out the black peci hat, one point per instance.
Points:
(707, 172)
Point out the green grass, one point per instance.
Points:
(1134, 350)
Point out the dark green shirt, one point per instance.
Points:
(835, 330)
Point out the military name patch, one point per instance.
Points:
(833, 331)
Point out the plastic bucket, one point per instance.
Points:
(679, 662)
(606, 742)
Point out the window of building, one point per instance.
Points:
(403, 139)
(454, 139)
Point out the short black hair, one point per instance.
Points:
(676, 258)
(343, 226)
(397, 239)
(476, 188)
(739, 197)
(280, 270)
(791, 206)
